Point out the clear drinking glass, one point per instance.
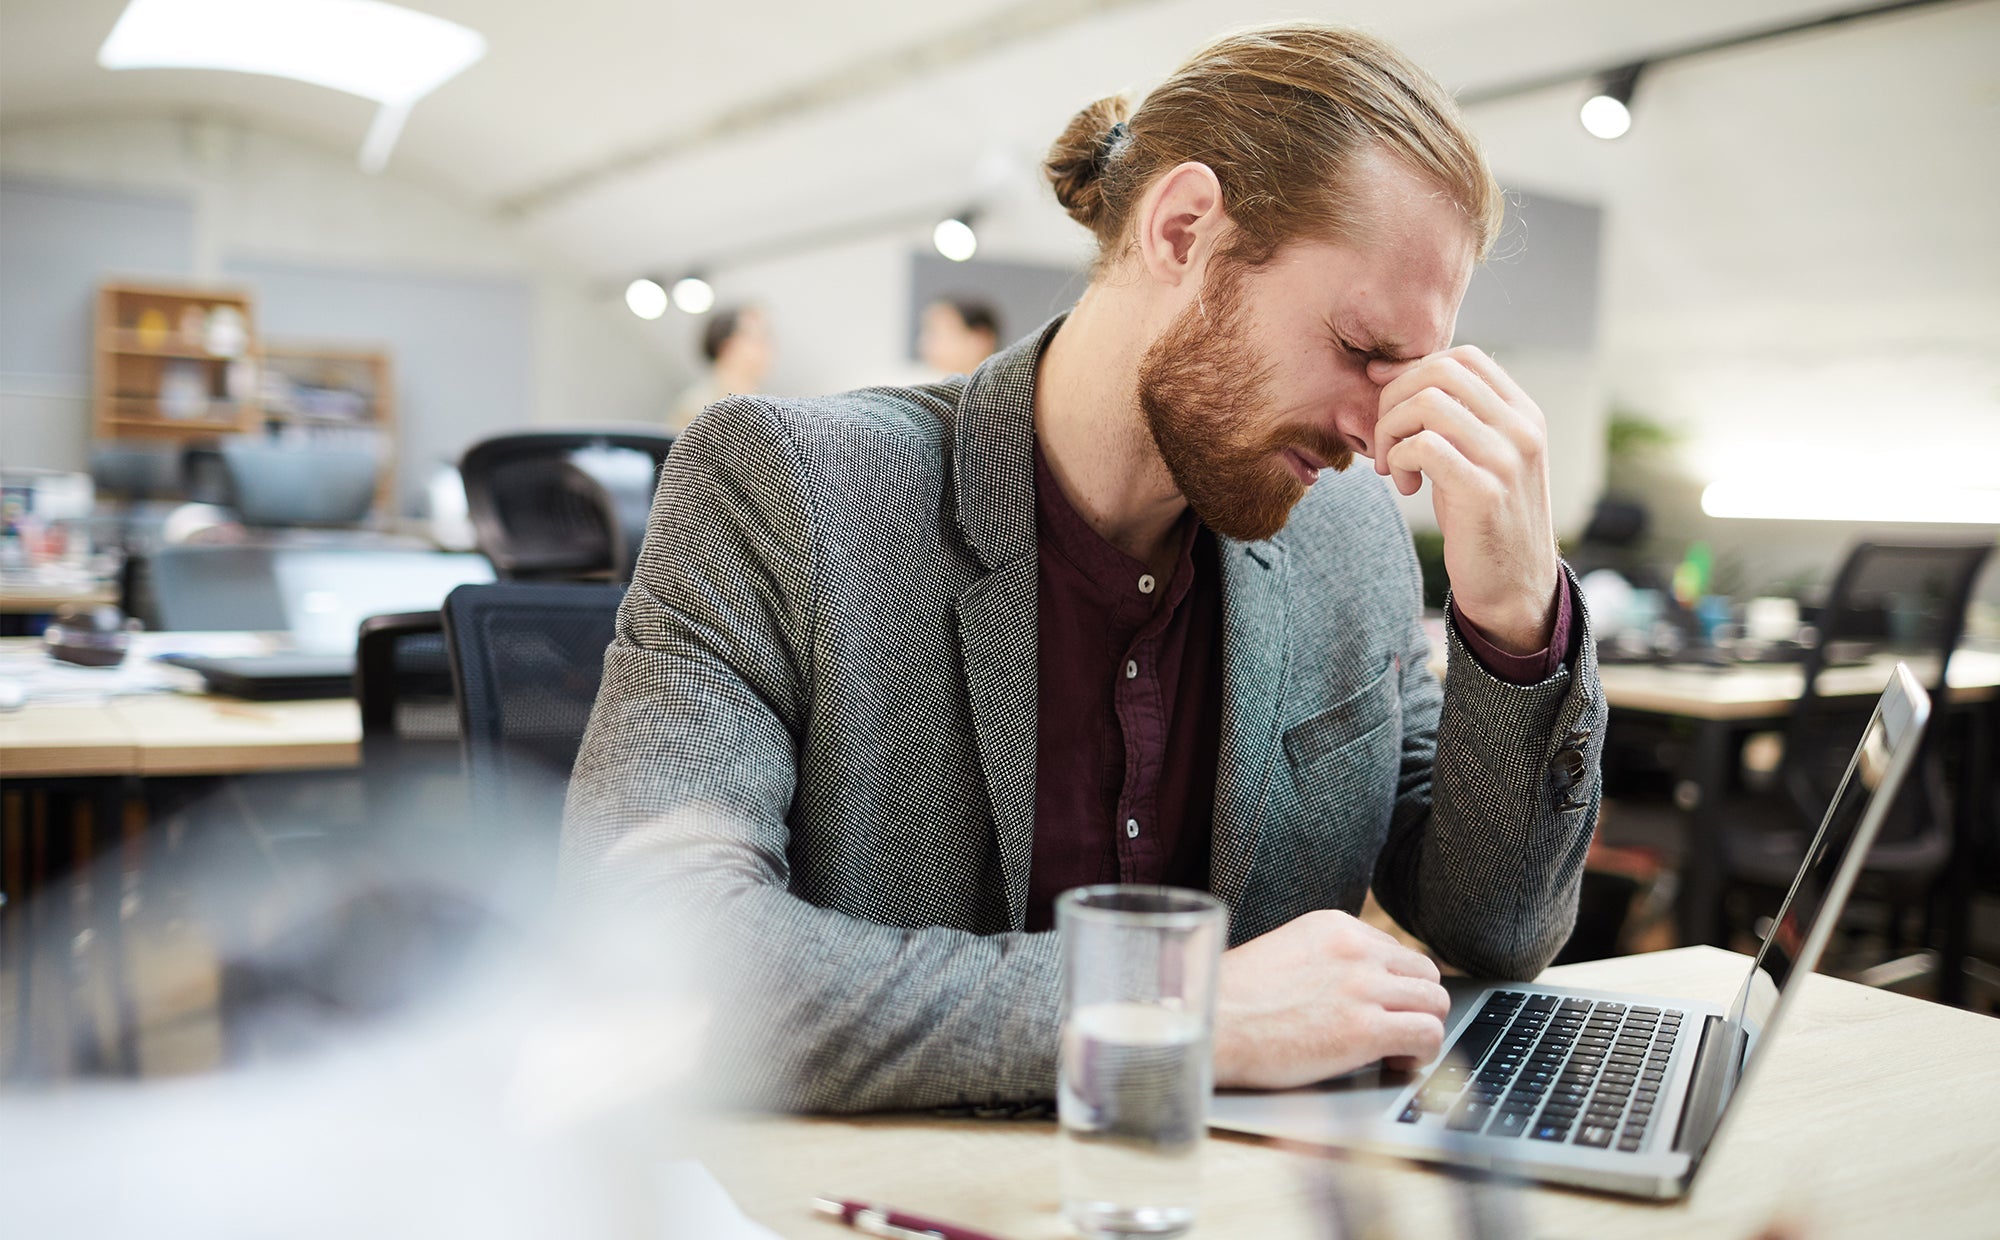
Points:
(1137, 1061)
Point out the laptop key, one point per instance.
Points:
(1629, 1145)
(1411, 1114)
(1473, 1044)
(1508, 1124)
(1594, 1135)
(1549, 1132)
(1470, 1116)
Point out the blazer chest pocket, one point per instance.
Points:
(1332, 801)
(1347, 728)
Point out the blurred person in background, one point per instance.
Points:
(900, 666)
(737, 345)
(956, 334)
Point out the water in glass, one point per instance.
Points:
(1134, 1095)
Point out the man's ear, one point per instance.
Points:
(1180, 221)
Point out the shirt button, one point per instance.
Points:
(1146, 583)
(1131, 828)
(1131, 669)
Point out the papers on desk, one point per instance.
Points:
(28, 674)
(697, 1206)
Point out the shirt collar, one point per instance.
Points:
(1111, 573)
(993, 451)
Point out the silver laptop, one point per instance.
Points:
(1617, 1092)
(328, 592)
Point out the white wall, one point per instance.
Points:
(262, 198)
(1802, 276)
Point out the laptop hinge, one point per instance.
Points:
(1715, 1064)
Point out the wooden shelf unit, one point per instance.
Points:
(329, 389)
(130, 367)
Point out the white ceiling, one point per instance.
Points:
(1867, 128)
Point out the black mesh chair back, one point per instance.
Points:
(563, 505)
(1906, 600)
(526, 659)
(402, 679)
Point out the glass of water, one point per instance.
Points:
(1137, 1061)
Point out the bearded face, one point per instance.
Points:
(1207, 399)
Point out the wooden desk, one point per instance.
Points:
(179, 734)
(31, 597)
(1875, 1116)
(1722, 706)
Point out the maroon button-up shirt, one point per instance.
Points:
(1129, 704)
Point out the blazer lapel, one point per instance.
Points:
(1256, 641)
(996, 629)
(993, 478)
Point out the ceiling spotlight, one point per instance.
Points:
(955, 239)
(645, 298)
(1607, 114)
(694, 295)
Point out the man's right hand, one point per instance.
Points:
(1321, 995)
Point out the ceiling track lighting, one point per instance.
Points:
(649, 295)
(693, 294)
(1607, 114)
(954, 236)
(646, 297)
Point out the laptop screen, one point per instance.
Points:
(328, 593)
(1794, 938)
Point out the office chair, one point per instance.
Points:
(526, 659)
(409, 717)
(1905, 600)
(563, 505)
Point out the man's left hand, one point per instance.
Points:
(1458, 419)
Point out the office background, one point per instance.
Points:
(1788, 261)
(1779, 289)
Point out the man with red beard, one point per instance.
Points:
(898, 667)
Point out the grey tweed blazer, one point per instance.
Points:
(814, 748)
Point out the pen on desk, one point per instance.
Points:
(879, 1220)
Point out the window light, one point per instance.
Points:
(1851, 499)
(392, 55)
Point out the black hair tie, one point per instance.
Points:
(1108, 146)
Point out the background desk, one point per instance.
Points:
(1877, 1115)
(179, 734)
(28, 597)
(1721, 706)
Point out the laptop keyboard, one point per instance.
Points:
(1549, 1068)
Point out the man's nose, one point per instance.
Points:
(1381, 373)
